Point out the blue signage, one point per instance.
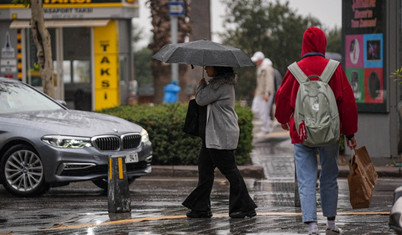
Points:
(176, 8)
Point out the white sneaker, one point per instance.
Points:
(336, 231)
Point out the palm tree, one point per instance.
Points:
(161, 36)
(42, 41)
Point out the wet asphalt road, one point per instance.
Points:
(82, 208)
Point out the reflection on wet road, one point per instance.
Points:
(156, 209)
(81, 208)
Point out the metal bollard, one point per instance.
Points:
(118, 192)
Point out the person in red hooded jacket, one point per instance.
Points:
(313, 62)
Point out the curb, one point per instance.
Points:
(248, 171)
(257, 172)
(382, 171)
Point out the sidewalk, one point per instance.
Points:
(272, 158)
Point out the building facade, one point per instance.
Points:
(91, 49)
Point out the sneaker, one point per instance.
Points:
(336, 231)
(314, 233)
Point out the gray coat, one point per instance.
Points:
(222, 129)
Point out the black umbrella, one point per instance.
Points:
(203, 53)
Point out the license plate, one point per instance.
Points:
(132, 157)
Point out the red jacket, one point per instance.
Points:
(314, 40)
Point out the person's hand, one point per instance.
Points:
(266, 97)
(285, 126)
(202, 82)
(351, 142)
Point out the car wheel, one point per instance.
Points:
(102, 183)
(22, 171)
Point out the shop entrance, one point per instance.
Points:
(77, 68)
(71, 51)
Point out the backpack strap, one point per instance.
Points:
(298, 73)
(325, 76)
(329, 71)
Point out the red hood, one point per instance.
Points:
(314, 40)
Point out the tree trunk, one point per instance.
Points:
(201, 29)
(161, 29)
(42, 41)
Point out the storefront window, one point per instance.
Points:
(77, 68)
(75, 62)
(33, 74)
(66, 72)
(81, 71)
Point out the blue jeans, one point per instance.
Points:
(307, 169)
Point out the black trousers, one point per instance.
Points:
(208, 160)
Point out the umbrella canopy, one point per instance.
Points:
(203, 53)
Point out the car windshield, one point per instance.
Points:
(18, 97)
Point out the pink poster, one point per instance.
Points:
(354, 51)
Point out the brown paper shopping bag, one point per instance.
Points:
(362, 177)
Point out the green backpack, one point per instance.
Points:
(316, 111)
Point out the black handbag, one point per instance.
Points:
(194, 123)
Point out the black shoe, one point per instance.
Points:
(199, 214)
(242, 214)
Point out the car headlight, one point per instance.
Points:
(144, 136)
(67, 141)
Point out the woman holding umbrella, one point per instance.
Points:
(221, 133)
(218, 144)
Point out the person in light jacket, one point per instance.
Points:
(218, 145)
(264, 92)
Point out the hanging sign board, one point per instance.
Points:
(363, 31)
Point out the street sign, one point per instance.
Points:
(176, 8)
(8, 65)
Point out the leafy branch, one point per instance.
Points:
(397, 75)
(25, 2)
